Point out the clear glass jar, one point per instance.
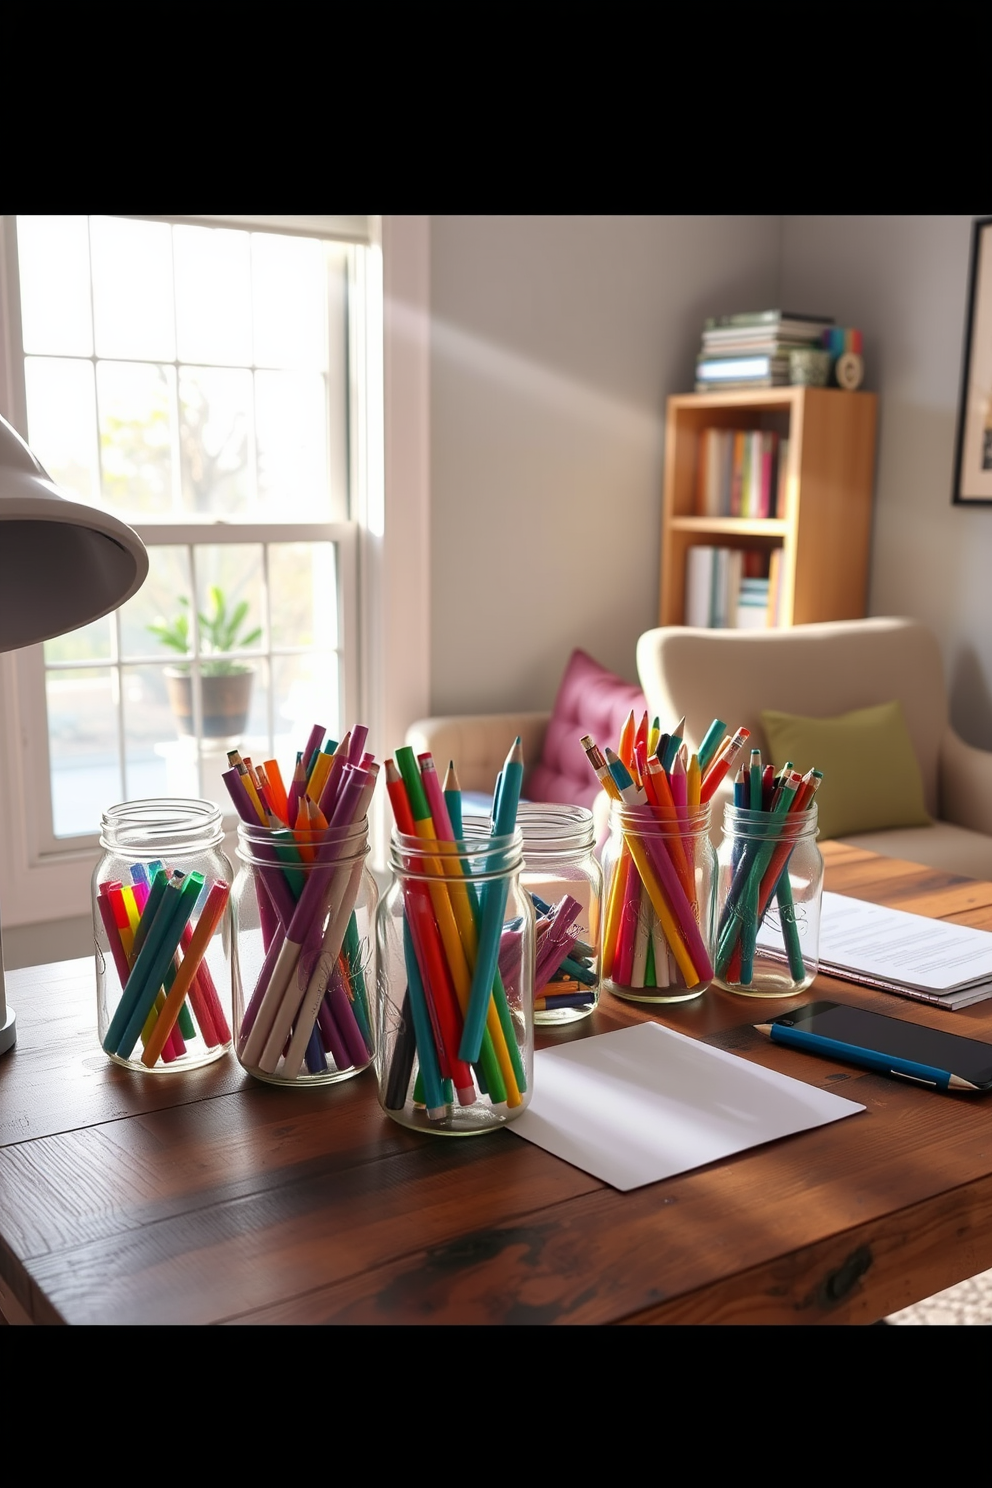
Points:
(161, 924)
(565, 882)
(455, 938)
(303, 959)
(770, 892)
(659, 897)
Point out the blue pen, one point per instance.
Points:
(884, 1064)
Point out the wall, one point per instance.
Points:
(903, 281)
(554, 344)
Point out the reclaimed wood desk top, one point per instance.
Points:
(211, 1198)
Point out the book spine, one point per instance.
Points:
(734, 567)
(768, 459)
(702, 479)
(775, 589)
(782, 479)
(698, 586)
(737, 477)
(726, 472)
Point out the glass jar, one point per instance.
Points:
(769, 897)
(455, 938)
(565, 883)
(303, 961)
(161, 924)
(659, 897)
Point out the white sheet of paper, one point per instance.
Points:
(644, 1103)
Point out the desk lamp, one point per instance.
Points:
(62, 564)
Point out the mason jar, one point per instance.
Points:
(565, 883)
(659, 897)
(161, 924)
(455, 941)
(770, 893)
(303, 954)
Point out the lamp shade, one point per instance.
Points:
(62, 563)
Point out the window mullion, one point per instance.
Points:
(116, 652)
(267, 640)
(194, 675)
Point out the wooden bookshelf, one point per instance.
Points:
(825, 532)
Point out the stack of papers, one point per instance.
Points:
(930, 960)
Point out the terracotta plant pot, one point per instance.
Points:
(225, 701)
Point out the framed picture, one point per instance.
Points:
(973, 457)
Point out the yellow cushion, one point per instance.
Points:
(871, 780)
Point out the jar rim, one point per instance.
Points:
(640, 817)
(483, 855)
(258, 842)
(555, 827)
(741, 821)
(147, 826)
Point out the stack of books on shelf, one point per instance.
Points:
(741, 473)
(731, 588)
(751, 350)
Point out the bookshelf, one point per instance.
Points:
(824, 534)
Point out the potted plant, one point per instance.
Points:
(225, 686)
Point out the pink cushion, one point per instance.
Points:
(590, 700)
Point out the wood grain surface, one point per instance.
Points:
(209, 1198)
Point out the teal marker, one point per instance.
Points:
(493, 909)
(711, 743)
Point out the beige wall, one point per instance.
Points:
(554, 343)
(903, 281)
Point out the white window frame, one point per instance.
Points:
(389, 546)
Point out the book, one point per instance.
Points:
(789, 320)
(713, 473)
(698, 586)
(744, 339)
(736, 493)
(782, 479)
(754, 338)
(752, 604)
(721, 582)
(741, 384)
(726, 369)
(775, 572)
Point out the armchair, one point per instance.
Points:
(822, 671)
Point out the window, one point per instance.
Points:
(379, 543)
(195, 379)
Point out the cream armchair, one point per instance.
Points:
(821, 671)
(478, 743)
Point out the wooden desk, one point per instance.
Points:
(211, 1198)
